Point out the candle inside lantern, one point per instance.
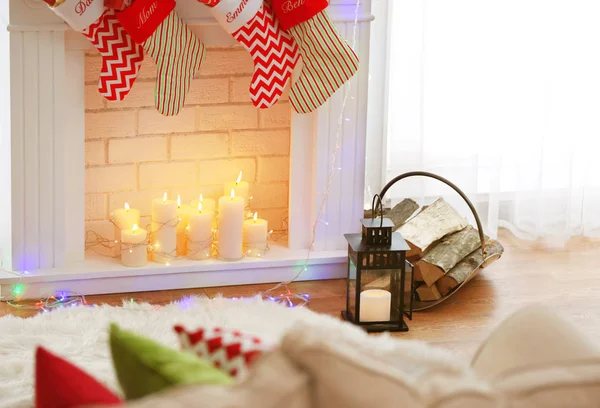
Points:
(133, 247)
(164, 232)
(231, 222)
(240, 187)
(375, 305)
(182, 222)
(255, 236)
(199, 233)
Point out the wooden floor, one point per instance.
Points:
(566, 279)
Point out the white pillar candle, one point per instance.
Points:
(375, 305)
(164, 233)
(240, 187)
(208, 204)
(133, 249)
(255, 236)
(124, 218)
(199, 233)
(231, 221)
(183, 211)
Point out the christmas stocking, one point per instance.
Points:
(328, 60)
(171, 44)
(273, 51)
(121, 57)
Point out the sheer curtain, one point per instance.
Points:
(503, 98)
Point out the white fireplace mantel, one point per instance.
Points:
(42, 165)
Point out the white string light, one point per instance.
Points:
(288, 297)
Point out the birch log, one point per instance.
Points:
(402, 211)
(463, 271)
(428, 293)
(444, 255)
(436, 221)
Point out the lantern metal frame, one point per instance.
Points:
(377, 248)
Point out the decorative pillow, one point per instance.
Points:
(59, 383)
(144, 366)
(229, 350)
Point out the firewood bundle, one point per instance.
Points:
(444, 249)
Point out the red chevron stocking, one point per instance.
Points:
(121, 56)
(273, 51)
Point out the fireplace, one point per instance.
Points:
(69, 159)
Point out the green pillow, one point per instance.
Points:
(144, 367)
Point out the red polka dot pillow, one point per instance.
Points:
(230, 350)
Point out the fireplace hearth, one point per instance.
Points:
(43, 166)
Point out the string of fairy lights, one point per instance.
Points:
(281, 292)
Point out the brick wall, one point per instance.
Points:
(134, 154)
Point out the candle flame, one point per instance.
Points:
(201, 198)
(232, 193)
(178, 201)
(165, 197)
(199, 206)
(135, 228)
(239, 178)
(255, 216)
(126, 206)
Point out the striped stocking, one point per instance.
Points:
(121, 56)
(171, 44)
(273, 51)
(328, 60)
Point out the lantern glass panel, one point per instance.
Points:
(408, 288)
(351, 297)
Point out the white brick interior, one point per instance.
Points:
(134, 154)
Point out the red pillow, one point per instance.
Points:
(230, 350)
(60, 384)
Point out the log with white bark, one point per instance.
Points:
(463, 271)
(448, 252)
(402, 211)
(428, 293)
(436, 221)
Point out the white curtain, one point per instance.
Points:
(502, 98)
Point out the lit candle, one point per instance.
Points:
(164, 232)
(124, 218)
(208, 204)
(231, 222)
(240, 187)
(182, 222)
(255, 236)
(133, 249)
(375, 305)
(199, 233)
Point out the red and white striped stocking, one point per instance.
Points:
(273, 51)
(121, 56)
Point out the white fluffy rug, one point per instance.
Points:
(80, 334)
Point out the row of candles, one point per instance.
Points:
(181, 230)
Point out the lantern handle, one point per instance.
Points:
(379, 206)
(450, 184)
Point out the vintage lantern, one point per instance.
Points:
(380, 284)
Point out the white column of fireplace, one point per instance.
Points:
(42, 167)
